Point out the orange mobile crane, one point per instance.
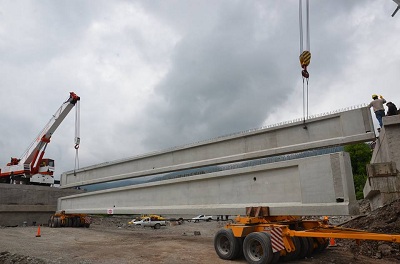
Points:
(32, 168)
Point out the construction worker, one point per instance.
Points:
(379, 109)
(392, 109)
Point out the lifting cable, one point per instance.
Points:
(77, 136)
(305, 56)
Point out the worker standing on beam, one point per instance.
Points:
(392, 109)
(379, 109)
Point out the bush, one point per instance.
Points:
(360, 156)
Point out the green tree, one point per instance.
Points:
(360, 156)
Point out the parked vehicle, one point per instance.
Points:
(135, 222)
(149, 221)
(138, 220)
(202, 218)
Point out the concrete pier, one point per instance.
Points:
(383, 184)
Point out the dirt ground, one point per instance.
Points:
(112, 240)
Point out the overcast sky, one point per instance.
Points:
(157, 74)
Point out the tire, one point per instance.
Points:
(310, 247)
(68, 222)
(226, 245)
(57, 222)
(298, 249)
(51, 222)
(157, 226)
(240, 241)
(62, 222)
(275, 258)
(257, 248)
(325, 244)
(322, 244)
(304, 247)
(81, 222)
(77, 221)
(294, 254)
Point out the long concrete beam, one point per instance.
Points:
(319, 185)
(331, 130)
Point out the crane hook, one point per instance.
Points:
(305, 58)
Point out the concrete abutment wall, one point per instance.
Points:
(383, 183)
(29, 203)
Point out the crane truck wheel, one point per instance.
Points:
(157, 226)
(226, 245)
(257, 248)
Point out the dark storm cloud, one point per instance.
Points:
(224, 78)
(237, 62)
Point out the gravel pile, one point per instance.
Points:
(8, 258)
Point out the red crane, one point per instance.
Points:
(32, 168)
